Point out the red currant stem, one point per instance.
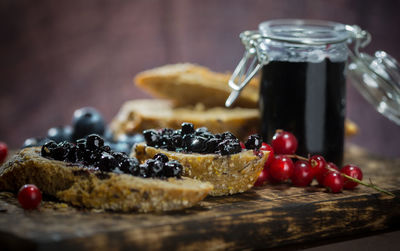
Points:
(295, 156)
(371, 185)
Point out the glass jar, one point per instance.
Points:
(303, 67)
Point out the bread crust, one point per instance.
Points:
(83, 187)
(229, 174)
(188, 84)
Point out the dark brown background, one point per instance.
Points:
(57, 56)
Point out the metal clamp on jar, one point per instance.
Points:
(303, 67)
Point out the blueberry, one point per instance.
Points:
(129, 165)
(151, 136)
(161, 157)
(167, 131)
(63, 151)
(211, 145)
(173, 169)
(143, 170)
(201, 130)
(48, 148)
(229, 146)
(176, 141)
(198, 145)
(207, 135)
(60, 133)
(86, 121)
(187, 128)
(122, 160)
(70, 151)
(227, 135)
(134, 168)
(119, 156)
(89, 157)
(253, 142)
(165, 142)
(94, 142)
(106, 162)
(155, 168)
(187, 141)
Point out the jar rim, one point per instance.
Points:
(304, 31)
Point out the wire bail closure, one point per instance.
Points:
(250, 60)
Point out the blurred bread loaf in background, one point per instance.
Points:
(195, 94)
(189, 84)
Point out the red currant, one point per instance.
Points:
(266, 147)
(284, 142)
(352, 171)
(334, 182)
(3, 152)
(262, 178)
(242, 145)
(281, 168)
(321, 176)
(302, 174)
(317, 164)
(29, 196)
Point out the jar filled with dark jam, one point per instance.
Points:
(303, 65)
(307, 99)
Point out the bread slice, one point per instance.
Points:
(229, 174)
(138, 115)
(92, 189)
(188, 84)
(135, 116)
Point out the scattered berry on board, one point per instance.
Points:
(29, 197)
(3, 152)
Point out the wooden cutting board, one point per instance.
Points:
(271, 216)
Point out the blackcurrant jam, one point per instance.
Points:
(307, 99)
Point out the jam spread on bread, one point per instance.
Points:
(93, 154)
(189, 140)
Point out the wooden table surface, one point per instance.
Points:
(271, 216)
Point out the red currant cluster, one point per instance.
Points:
(280, 167)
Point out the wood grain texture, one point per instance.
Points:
(271, 216)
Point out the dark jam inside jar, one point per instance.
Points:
(307, 99)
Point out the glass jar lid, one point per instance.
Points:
(376, 77)
(311, 32)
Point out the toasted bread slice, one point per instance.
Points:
(229, 174)
(92, 189)
(138, 115)
(188, 84)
